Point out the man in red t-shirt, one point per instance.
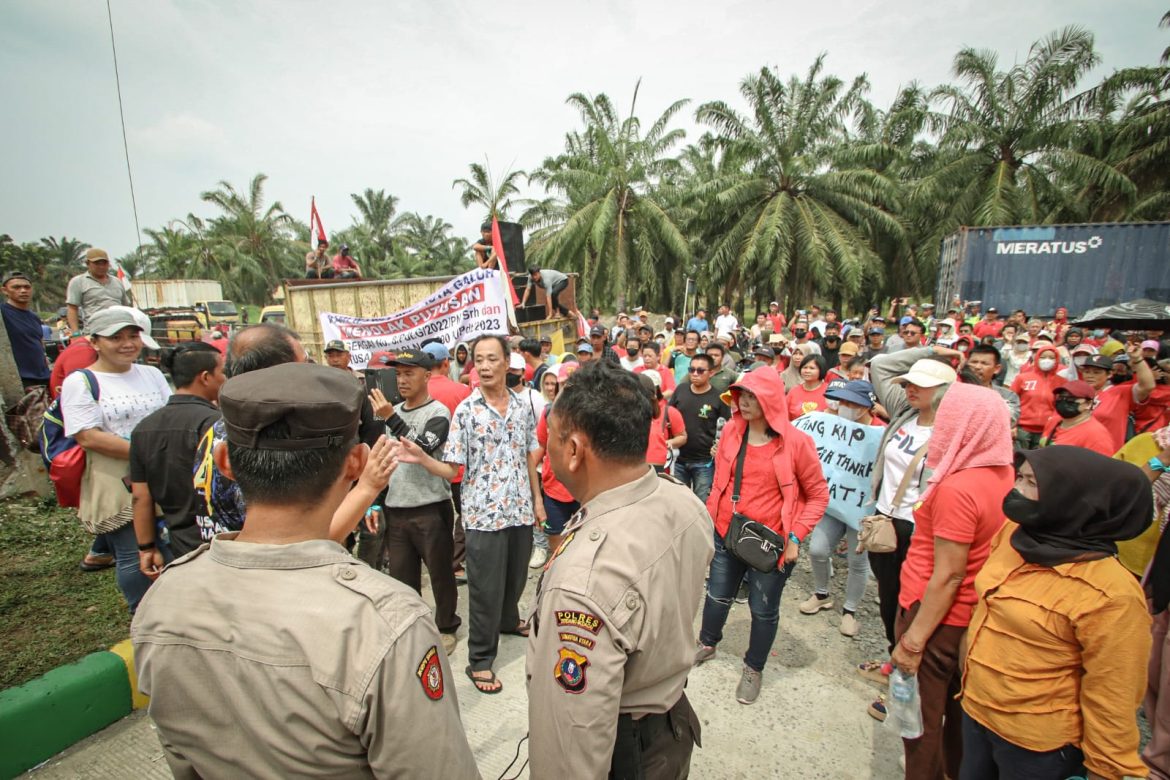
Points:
(776, 317)
(651, 361)
(344, 266)
(1115, 402)
(990, 325)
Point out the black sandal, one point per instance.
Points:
(489, 681)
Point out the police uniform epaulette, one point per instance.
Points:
(189, 556)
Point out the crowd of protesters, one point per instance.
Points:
(1021, 471)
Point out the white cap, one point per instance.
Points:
(143, 322)
(516, 361)
(929, 373)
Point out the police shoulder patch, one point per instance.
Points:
(577, 619)
(570, 670)
(576, 639)
(430, 674)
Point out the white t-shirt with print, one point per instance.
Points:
(123, 401)
(899, 451)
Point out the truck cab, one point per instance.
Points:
(213, 313)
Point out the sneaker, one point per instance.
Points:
(849, 625)
(539, 556)
(748, 689)
(703, 653)
(877, 710)
(449, 642)
(815, 603)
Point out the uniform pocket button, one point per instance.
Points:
(594, 536)
(348, 574)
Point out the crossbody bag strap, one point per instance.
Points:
(739, 459)
(904, 485)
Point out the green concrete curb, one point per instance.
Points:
(44, 716)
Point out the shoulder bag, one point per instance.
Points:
(877, 533)
(750, 541)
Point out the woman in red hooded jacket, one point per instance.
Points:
(783, 488)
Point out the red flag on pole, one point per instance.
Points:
(315, 221)
(498, 248)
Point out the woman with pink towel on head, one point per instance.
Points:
(970, 455)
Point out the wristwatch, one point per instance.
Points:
(1156, 464)
(147, 546)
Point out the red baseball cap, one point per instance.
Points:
(1077, 389)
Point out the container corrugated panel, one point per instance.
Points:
(1038, 268)
(159, 293)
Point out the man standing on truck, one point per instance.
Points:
(317, 263)
(344, 266)
(554, 283)
(93, 291)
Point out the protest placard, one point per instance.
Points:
(468, 306)
(847, 451)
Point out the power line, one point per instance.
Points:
(122, 116)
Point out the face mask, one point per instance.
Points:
(1046, 364)
(1068, 408)
(513, 380)
(1020, 346)
(848, 413)
(632, 353)
(1022, 510)
(962, 347)
(1118, 379)
(831, 343)
(1080, 360)
(800, 333)
(834, 405)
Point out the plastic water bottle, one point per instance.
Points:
(905, 704)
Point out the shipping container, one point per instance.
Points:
(202, 295)
(305, 299)
(1040, 267)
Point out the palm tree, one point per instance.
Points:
(254, 241)
(792, 219)
(612, 217)
(483, 190)
(1007, 149)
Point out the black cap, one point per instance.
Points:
(597, 330)
(409, 357)
(320, 405)
(1098, 361)
(8, 277)
(764, 351)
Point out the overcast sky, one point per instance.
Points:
(329, 98)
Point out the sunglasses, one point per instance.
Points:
(697, 370)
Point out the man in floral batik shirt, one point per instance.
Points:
(493, 435)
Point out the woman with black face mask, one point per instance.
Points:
(1073, 424)
(1059, 641)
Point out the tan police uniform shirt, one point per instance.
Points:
(295, 661)
(613, 627)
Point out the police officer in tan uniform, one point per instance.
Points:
(613, 627)
(272, 652)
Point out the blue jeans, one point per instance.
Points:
(764, 591)
(697, 476)
(131, 581)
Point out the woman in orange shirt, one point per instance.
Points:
(809, 395)
(1060, 637)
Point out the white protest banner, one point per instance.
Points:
(847, 451)
(468, 306)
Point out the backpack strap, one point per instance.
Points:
(95, 388)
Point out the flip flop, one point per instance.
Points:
(478, 681)
(520, 630)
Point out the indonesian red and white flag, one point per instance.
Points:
(315, 221)
(498, 248)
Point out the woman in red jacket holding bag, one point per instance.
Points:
(782, 486)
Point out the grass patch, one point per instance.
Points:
(51, 612)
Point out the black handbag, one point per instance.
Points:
(750, 541)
